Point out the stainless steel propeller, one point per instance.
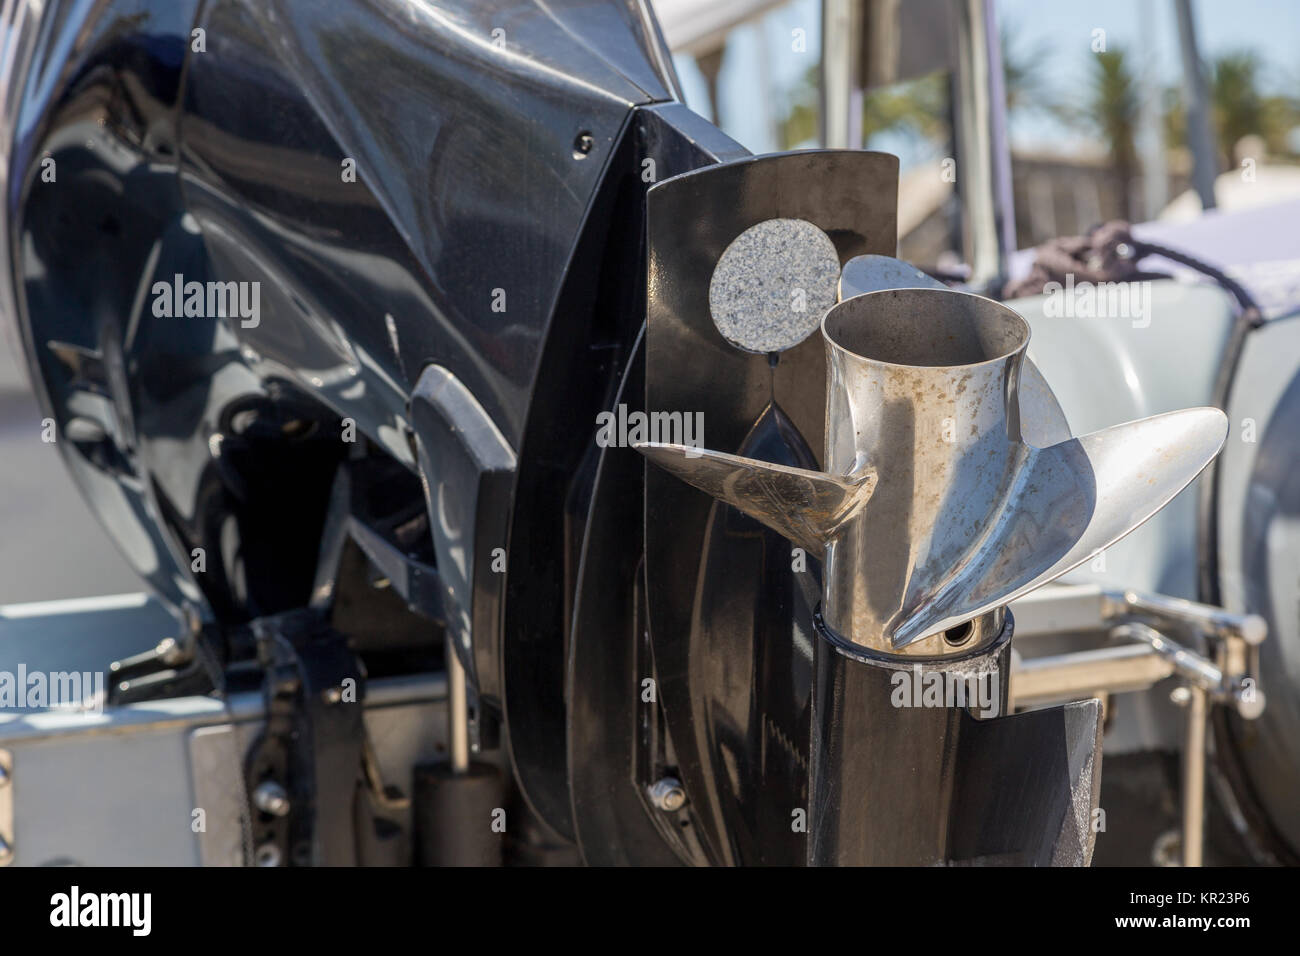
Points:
(934, 509)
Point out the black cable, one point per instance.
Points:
(1143, 249)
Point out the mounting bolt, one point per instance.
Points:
(1181, 696)
(667, 794)
(583, 144)
(332, 695)
(269, 797)
(268, 854)
(169, 652)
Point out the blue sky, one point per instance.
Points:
(1061, 29)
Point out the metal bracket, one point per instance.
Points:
(417, 582)
(1231, 676)
(303, 770)
(172, 668)
(1147, 653)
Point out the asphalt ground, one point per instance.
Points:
(51, 545)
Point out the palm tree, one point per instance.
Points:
(1235, 101)
(1112, 106)
(1238, 108)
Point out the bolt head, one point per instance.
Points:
(270, 797)
(268, 854)
(668, 794)
(168, 651)
(1181, 696)
(583, 144)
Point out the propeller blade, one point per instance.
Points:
(807, 507)
(1070, 501)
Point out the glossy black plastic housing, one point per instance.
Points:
(399, 181)
(404, 185)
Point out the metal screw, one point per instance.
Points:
(333, 695)
(270, 797)
(168, 651)
(1181, 696)
(268, 854)
(667, 794)
(583, 145)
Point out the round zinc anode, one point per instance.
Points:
(773, 284)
